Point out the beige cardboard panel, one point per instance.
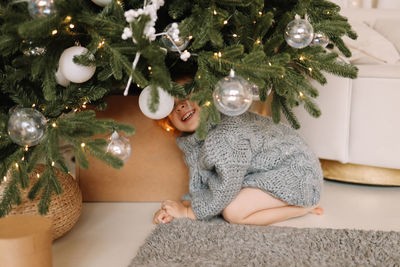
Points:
(154, 172)
(25, 240)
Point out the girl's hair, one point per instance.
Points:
(167, 125)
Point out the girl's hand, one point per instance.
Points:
(175, 208)
(161, 216)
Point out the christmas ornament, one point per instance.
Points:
(165, 106)
(255, 91)
(61, 80)
(40, 8)
(26, 126)
(299, 33)
(101, 3)
(320, 39)
(74, 72)
(233, 95)
(31, 50)
(119, 146)
(172, 41)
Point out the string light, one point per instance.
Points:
(54, 125)
(310, 69)
(215, 12)
(219, 54)
(208, 103)
(234, 35)
(5, 178)
(269, 63)
(23, 158)
(301, 58)
(54, 32)
(190, 37)
(225, 22)
(66, 107)
(33, 105)
(149, 67)
(83, 145)
(101, 44)
(301, 94)
(260, 13)
(53, 163)
(71, 26)
(16, 165)
(83, 105)
(37, 175)
(258, 41)
(199, 76)
(26, 148)
(67, 19)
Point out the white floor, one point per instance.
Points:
(109, 234)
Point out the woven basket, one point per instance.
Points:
(64, 210)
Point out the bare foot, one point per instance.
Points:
(317, 210)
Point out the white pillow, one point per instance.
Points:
(388, 28)
(370, 47)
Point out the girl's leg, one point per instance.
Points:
(255, 206)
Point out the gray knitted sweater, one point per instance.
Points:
(249, 151)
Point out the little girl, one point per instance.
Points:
(248, 169)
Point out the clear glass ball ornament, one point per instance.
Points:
(171, 41)
(119, 146)
(41, 8)
(299, 33)
(26, 126)
(320, 39)
(233, 95)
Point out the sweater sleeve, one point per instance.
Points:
(230, 161)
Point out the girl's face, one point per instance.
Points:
(185, 115)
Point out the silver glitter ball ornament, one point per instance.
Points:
(119, 146)
(320, 39)
(233, 95)
(26, 126)
(172, 41)
(41, 8)
(299, 33)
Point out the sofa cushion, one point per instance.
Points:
(390, 71)
(388, 28)
(370, 47)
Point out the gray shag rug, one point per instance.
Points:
(185, 242)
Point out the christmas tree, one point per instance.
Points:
(57, 56)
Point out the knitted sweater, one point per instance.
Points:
(249, 151)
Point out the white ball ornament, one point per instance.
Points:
(233, 95)
(70, 70)
(61, 80)
(165, 106)
(101, 3)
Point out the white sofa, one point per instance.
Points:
(360, 121)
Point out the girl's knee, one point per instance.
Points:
(232, 214)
